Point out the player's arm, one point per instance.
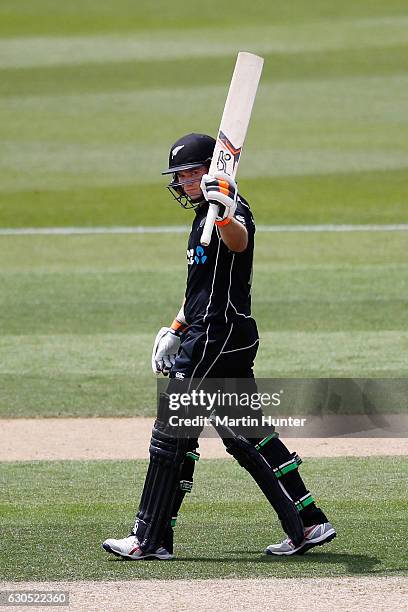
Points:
(222, 190)
(167, 343)
(235, 235)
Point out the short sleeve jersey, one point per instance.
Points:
(218, 280)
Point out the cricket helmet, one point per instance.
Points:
(188, 152)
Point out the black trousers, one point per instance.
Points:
(218, 350)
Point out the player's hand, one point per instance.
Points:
(220, 189)
(165, 349)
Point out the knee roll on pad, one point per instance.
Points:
(162, 445)
(243, 452)
(163, 411)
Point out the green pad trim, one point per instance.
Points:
(290, 465)
(266, 440)
(304, 501)
(173, 521)
(193, 456)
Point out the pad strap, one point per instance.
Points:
(192, 455)
(186, 485)
(265, 441)
(288, 466)
(304, 501)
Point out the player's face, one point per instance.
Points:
(190, 181)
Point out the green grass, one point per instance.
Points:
(378, 197)
(92, 98)
(42, 18)
(78, 314)
(156, 74)
(52, 529)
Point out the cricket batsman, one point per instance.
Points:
(214, 336)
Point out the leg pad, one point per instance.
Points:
(256, 464)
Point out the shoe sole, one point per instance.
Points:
(324, 539)
(147, 557)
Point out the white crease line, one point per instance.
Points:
(181, 229)
(396, 227)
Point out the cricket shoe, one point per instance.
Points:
(129, 548)
(316, 535)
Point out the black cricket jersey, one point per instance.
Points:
(218, 280)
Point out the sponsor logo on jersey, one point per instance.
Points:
(240, 218)
(179, 374)
(196, 255)
(199, 257)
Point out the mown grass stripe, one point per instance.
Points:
(129, 75)
(167, 45)
(180, 229)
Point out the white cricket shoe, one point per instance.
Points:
(316, 535)
(129, 548)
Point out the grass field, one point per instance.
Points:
(222, 530)
(79, 313)
(91, 98)
(92, 95)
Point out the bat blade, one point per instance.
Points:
(234, 125)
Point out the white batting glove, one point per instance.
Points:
(165, 349)
(220, 189)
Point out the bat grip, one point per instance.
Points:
(209, 224)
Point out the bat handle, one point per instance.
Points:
(209, 224)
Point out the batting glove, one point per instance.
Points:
(165, 349)
(222, 190)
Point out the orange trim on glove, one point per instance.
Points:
(224, 187)
(223, 222)
(178, 327)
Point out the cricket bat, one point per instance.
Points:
(234, 125)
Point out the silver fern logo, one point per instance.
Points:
(175, 151)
